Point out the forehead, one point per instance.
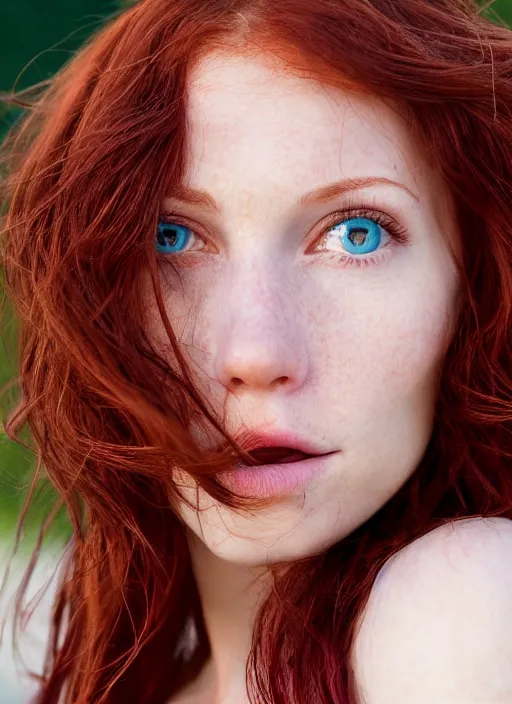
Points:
(247, 115)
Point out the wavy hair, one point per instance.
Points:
(110, 416)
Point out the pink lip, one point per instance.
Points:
(274, 480)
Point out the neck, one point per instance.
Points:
(230, 597)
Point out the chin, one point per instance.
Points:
(283, 536)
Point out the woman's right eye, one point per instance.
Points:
(173, 238)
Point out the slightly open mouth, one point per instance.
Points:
(279, 455)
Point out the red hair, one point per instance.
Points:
(109, 415)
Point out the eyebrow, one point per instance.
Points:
(323, 194)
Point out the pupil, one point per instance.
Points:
(165, 234)
(358, 236)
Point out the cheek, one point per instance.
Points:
(369, 338)
(403, 346)
(378, 348)
(189, 315)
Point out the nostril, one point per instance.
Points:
(280, 380)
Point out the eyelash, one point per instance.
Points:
(353, 209)
(398, 234)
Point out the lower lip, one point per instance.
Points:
(265, 481)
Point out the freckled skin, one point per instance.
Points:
(360, 348)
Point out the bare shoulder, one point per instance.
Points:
(465, 544)
(438, 625)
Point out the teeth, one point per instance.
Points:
(281, 455)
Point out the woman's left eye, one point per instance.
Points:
(357, 235)
(173, 238)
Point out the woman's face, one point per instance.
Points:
(323, 316)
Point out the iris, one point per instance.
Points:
(171, 237)
(359, 235)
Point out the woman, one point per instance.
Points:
(261, 255)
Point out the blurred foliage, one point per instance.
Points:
(499, 11)
(36, 39)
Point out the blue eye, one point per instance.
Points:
(172, 238)
(359, 235)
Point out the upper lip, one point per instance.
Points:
(252, 440)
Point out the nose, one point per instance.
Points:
(261, 345)
(248, 360)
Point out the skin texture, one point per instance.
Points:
(438, 623)
(280, 332)
(287, 331)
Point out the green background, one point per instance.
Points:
(36, 38)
